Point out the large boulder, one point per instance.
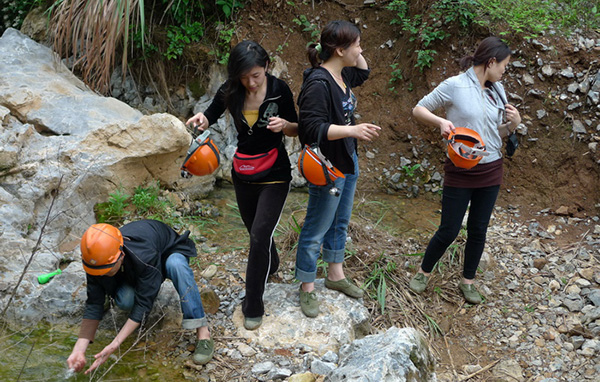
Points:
(342, 320)
(64, 149)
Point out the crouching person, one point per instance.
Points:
(130, 264)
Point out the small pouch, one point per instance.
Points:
(254, 167)
(511, 145)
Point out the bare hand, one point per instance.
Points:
(446, 127)
(102, 357)
(276, 124)
(198, 121)
(76, 361)
(512, 115)
(366, 131)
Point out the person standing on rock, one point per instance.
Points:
(327, 104)
(476, 100)
(263, 111)
(130, 264)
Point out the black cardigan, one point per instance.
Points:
(278, 101)
(320, 103)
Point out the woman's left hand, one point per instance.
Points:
(512, 115)
(276, 124)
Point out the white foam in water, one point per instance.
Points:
(69, 373)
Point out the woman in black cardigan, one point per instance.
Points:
(327, 106)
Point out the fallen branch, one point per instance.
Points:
(483, 369)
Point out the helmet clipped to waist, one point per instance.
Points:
(202, 158)
(317, 170)
(465, 147)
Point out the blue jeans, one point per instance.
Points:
(325, 226)
(180, 273)
(454, 205)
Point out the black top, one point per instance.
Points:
(147, 245)
(278, 102)
(321, 103)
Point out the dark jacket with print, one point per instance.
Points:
(279, 101)
(147, 245)
(320, 104)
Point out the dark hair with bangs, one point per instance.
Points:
(242, 58)
(489, 48)
(337, 34)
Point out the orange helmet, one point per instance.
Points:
(101, 248)
(202, 157)
(317, 170)
(465, 147)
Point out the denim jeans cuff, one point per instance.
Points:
(333, 255)
(194, 323)
(305, 277)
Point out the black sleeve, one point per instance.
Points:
(355, 76)
(217, 106)
(315, 112)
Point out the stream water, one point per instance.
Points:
(40, 354)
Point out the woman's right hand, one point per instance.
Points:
(446, 127)
(365, 131)
(198, 121)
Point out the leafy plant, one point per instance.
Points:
(410, 171)
(180, 36)
(226, 32)
(312, 29)
(145, 199)
(377, 277)
(113, 210)
(425, 58)
(229, 6)
(395, 76)
(435, 328)
(14, 12)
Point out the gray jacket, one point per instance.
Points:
(467, 105)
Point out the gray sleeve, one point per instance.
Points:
(440, 96)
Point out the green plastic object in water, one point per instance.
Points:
(43, 279)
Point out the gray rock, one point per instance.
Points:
(578, 127)
(567, 72)
(518, 64)
(541, 113)
(319, 367)
(279, 373)
(396, 355)
(548, 71)
(263, 367)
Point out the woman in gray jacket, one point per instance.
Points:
(476, 100)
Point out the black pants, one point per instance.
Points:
(454, 205)
(260, 206)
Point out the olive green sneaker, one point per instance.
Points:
(252, 323)
(345, 286)
(418, 283)
(471, 293)
(309, 303)
(204, 351)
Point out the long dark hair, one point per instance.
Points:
(489, 48)
(242, 58)
(337, 34)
